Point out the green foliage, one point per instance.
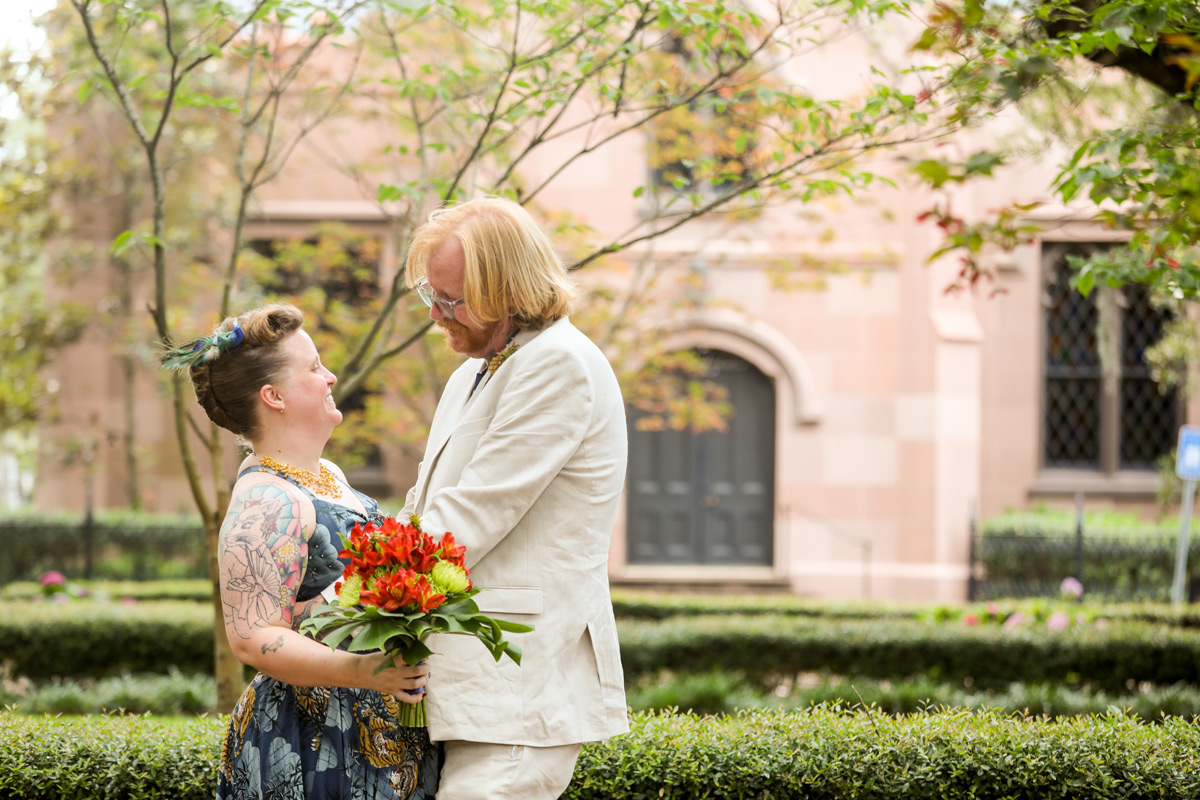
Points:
(94, 758)
(768, 649)
(124, 545)
(1124, 558)
(193, 589)
(1132, 136)
(33, 328)
(96, 639)
(822, 752)
(172, 694)
(89, 639)
(829, 752)
(723, 693)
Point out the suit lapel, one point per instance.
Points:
(449, 412)
(457, 398)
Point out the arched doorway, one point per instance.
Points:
(708, 498)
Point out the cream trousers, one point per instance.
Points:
(475, 771)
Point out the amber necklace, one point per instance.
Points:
(324, 484)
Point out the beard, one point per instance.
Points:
(466, 340)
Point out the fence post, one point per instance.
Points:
(1079, 543)
(89, 541)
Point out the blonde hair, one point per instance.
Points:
(511, 266)
(227, 384)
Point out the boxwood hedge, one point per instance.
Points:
(85, 639)
(95, 639)
(199, 590)
(822, 752)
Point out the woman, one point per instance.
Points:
(315, 722)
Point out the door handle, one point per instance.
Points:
(711, 501)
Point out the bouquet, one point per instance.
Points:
(400, 587)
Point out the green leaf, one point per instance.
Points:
(512, 627)
(374, 636)
(122, 243)
(416, 652)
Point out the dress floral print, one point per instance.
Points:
(318, 742)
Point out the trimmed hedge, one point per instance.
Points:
(197, 590)
(724, 693)
(94, 639)
(828, 752)
(124, 545)
(171, 694)
(657, 606)
(822, 752)
(84, 639)
(1027, 554)
(765, 649)
(126, 757)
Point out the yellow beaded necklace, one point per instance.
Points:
(324, 484)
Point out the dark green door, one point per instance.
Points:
(707, 498)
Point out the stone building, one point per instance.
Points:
(873, 418)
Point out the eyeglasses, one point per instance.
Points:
(445, 306)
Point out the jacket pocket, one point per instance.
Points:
(608, 655)
(509, 599)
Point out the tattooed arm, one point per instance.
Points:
(263, 553)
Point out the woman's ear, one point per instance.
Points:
(271, 398)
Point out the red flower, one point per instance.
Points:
(428, 598)
(389, 591)
(453, 553)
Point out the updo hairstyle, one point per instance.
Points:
(227, 386)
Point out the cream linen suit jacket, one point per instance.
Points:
(527, 471)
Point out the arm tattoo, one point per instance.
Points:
(273, 647)
(263, 554)
(302, 611)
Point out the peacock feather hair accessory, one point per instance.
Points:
(203, 350)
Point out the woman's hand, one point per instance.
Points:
(395, 680)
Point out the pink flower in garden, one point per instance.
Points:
(970, 619)
(1014, 621)
(53, 578)
(1071, 587)
(129, 601)
(993, 609)
(1058, 621)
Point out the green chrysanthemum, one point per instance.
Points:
(449, 578)
(351, 589)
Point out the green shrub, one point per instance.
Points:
(89, 639)
(822, 752)
(828, 752)
(95, 639)
(767, 649)
(126, 757)
(193, 589)
(722, 693)
(1029, 553)
(172, 694)
(645, 605)
(123, 545)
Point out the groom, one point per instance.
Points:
(525, 464)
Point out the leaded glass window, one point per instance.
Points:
(1097, 416)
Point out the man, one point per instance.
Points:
(525, 464)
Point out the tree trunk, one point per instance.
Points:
(229, 671)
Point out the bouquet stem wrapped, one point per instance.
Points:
(399, 588)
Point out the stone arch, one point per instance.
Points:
(762, 346)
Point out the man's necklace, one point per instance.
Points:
(495, 361)
(324, 484)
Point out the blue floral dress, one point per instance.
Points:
(324, 742)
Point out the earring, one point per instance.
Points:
(281, 409)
